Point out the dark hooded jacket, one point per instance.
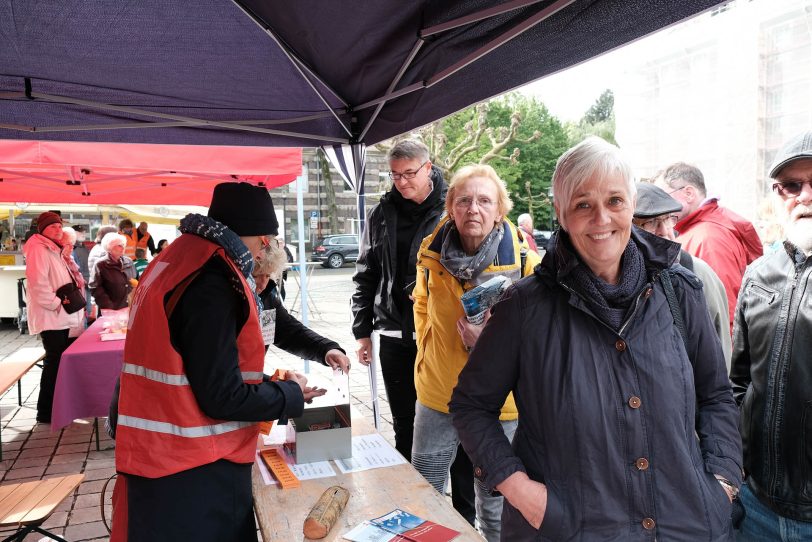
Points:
(624, 427)
(374, 303)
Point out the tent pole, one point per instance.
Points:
(300, 181)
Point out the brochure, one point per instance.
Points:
(479, 299)
(398, 525)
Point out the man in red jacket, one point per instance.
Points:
(717, 235)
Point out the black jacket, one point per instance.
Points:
(771, 373)
(373, 305)
(111, 282)
(620, 426)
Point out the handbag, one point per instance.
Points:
(71, 296)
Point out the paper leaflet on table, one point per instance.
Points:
(370, 452)
(400, 525)
(479, 299)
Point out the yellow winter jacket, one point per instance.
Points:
(441, 354)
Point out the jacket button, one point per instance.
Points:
(634, 401)
(478, 472)
(641, 464)
(648, 524)
(620, 345)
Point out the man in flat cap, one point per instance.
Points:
(772, 363)
(656, 212)
(192, 386)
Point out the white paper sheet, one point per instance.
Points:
(370, 452)
(305, 471)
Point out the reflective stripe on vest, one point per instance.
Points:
(188, 432)
(175, 380)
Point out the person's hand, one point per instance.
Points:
(308, 392)
(731, 494)
(470, 332)
(337, 360)
(365, 351)
(527, 496)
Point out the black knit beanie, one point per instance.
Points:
(244, 208)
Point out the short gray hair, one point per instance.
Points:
(113, 239)
(524, 218)
(592, 156)
(409, 149)
(685, 172)
(273, 262)
(69, 234)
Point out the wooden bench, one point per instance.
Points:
(27, 505)
(13, 368)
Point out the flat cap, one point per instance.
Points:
(796, 148)
(654, 201)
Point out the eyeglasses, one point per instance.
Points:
(790, 189)
(677, 189)
(408, 175)
(465, 202)
(654, 224)
(267, 242)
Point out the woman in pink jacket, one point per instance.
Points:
(45, 272)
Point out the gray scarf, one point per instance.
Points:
(460, 264)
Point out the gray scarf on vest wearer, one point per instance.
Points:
(460, 264)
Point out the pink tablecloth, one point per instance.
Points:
(87, 377)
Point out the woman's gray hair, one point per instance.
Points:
(112, 239)
(409, 149)
(68, 236)
(273, 262)
(590, 158)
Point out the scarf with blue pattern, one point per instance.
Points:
(214, 231)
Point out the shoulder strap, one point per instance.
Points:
(676, 312)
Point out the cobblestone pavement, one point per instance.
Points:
(32, 452)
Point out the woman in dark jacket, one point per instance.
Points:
(627, 428)
(111, 279)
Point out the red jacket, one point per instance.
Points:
(725, 240)
(161, 428)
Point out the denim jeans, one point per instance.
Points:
(762, 524)
(433, 450)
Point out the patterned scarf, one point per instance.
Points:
(214, 231)
(460, 264)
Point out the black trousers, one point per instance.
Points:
(397, 358)
(54, 341)
(210, 503)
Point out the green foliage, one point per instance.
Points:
(599, 120)
(524, 160)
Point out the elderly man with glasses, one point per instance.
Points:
(385, 275)
(725, 240)
(657, 212)
(772, 363)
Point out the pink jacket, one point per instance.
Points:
(45, 272)
(726, 241)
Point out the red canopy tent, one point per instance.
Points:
(131, 173)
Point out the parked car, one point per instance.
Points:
(542, 237)
(334, 250)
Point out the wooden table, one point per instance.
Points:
(373, 493)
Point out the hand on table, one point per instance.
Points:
(365, 351)
(527, 496)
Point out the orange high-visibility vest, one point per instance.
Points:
(133, 242)
(161, 428)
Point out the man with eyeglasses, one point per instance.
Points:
(384, 277)
(772, 363)
(656, 213)
(725, 240)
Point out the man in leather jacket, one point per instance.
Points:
(772, 363)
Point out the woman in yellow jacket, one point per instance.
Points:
(474, 243)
